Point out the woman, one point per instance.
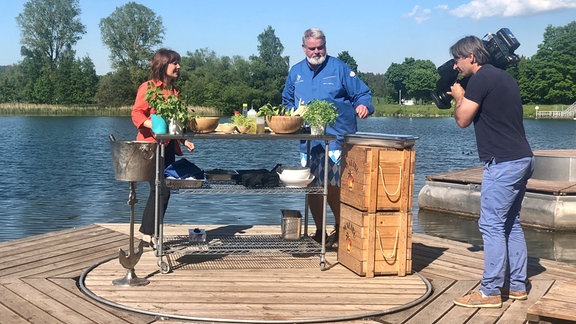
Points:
(164, 70)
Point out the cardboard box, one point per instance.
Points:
(378, 243)
(377, 178)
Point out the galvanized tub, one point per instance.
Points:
(377, 139)
(133, 160)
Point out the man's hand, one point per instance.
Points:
(465, 109)
(362, 111)
(457, 92)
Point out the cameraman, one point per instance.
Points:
(492, 101)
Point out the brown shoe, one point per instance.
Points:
(517, 295)
(475, 299)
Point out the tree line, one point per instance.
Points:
(50, 72)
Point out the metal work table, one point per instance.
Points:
(212, 188)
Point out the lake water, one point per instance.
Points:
(56, 173)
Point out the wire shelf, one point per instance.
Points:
(243, 244)
(219, 187)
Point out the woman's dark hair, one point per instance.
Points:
(471, 45)
(160, 61)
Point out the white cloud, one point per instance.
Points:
(478, 9)
(419, 14)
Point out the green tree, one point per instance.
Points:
(76, 81)
(268, 70)
(349, 60)
(209, 80)
(413, 78)
(50, 27)
(382, 90)
(419, 83)
(11, 84)
(397, 75)
(549, 77)
(131, 33)
(115, 89)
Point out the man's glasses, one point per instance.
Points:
(320, 48)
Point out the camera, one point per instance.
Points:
(500, 46)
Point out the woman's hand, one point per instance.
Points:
(189, 145)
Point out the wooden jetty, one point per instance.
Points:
(39, 283)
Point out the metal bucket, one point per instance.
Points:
(133, 160)
(291, 224)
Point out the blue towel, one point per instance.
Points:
(184, 169)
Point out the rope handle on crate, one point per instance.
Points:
(384, 183)
(393, 255)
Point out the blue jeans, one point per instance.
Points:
(505, 255)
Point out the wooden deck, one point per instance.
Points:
(39, 284)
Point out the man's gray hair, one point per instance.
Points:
(471, 45)
(315, 33)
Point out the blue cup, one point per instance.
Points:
(159, 125)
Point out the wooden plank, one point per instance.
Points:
(518, 310)
(558, 303)
(67, 290)
(16, 247)
(265, 293)
(8, 316)
(443, 304)
(49, 284)
(474, 176)
(34, 255)
(439, 287)
(559, 153)
(24, 308)
(53, 306)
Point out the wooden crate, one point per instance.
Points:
(377, 178)
(375, 243)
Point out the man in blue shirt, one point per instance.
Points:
(323, 77)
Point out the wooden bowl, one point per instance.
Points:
(284, 124)
(243, 129)
(204, 124)
(226, 128)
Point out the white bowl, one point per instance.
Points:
(296, 173)
(296, 183)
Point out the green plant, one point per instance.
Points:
(269, 110)
(167, 106)
(241, 120)
(320, 113)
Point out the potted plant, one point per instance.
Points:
(318, 114)
(279, 119)
(244, 124)
(169, 107)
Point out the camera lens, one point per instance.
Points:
(442, 100)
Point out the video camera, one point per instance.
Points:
(500, 46)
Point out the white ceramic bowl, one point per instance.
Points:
(296, 183)
(295, 172)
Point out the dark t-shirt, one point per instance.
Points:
(498, 124)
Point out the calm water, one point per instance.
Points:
(56, 173)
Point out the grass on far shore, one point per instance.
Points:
(381, 110)
(26, 109)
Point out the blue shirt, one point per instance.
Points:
(333, 81)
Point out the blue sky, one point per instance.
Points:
(376, 33)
